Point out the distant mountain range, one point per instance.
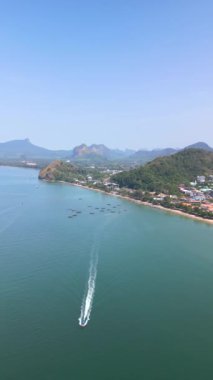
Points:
(25, 150)
(100, 151)
(143, 156)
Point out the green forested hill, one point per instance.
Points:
(61, 171)
(166, 173)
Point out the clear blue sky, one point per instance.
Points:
(125, 73)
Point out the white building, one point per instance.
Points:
(201, 179)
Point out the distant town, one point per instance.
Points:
(196, 199)
(180, 179)
(192, 197)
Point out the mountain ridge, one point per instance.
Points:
(24, 149)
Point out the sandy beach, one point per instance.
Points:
(147, 204)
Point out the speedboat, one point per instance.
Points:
(82, 324)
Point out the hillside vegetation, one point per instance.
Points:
(61, 171)
(166, 173)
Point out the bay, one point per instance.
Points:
(152, 311)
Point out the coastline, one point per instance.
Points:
(147, 204)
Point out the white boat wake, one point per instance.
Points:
(86, 306)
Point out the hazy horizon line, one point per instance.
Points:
(117, 148)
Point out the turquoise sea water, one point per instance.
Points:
(152, 312)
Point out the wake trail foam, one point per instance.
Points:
(86, 306)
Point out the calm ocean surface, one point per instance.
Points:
(152, 312)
